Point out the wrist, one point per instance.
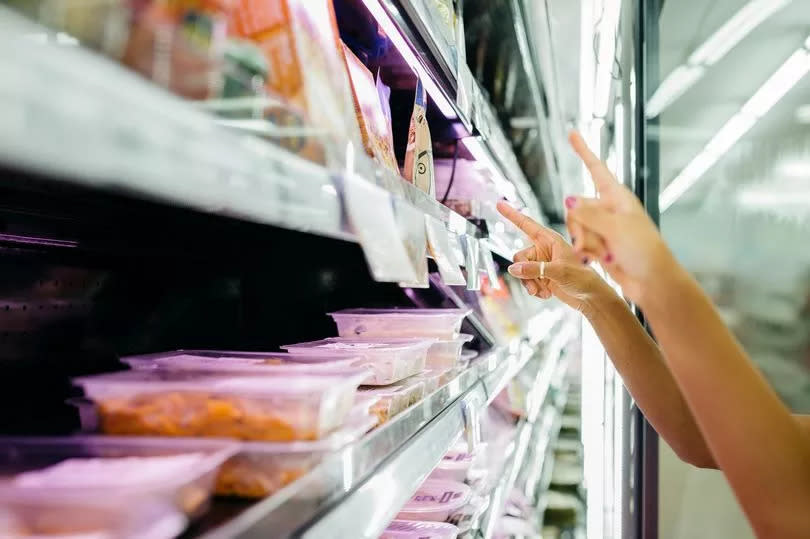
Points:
(600, 300)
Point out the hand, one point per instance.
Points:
(564, 274)
(616, 230)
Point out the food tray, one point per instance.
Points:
(390, 359)
(275, 363)
(262, 468)
(394, 399)
(89, 469)
(438, 323)
(191, 403)
(410, 529)
(435, 501)
(446, 354)
(455, 463)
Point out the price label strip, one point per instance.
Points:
(439, 243)
(411, 224)
(370, 211)
(471, 262)
(488, 265)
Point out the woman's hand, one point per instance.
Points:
(615, 230)
(564, 275)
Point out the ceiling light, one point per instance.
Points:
(774, 89)
(390, 28)
(711, 51)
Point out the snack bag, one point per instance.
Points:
(419, 152)
(374, 127)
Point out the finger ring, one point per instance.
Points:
(543, 270)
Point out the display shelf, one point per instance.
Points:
(59, 101)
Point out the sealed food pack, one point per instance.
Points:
(375, 126)
(419, 152)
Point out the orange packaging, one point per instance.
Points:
(374, 127)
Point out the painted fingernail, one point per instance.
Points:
(532, 288)
(609, 258)
(584, 259)
(570, 202)
(573, 240)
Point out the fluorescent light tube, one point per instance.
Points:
(763, 100)
(399, 41)
(711, 51)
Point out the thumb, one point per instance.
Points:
(554, 271)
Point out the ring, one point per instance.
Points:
(543, 270)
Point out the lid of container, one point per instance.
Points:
(403, 312)
(270, 363)
(456, 459)
(420, 530)
(160, 380)
(437, 494)
(359, 345)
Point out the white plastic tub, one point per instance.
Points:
(438, 323)
(411, 529)
(435, 501)
(456, 463)
(110, 471)
(191, 403)
(447, 354)
(390, 359)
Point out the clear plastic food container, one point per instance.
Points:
(78, 519)
(433, 379)
(390, 359)
(192, 403)
(447, 354)
(438, 323)
(61, 471)
(238, 362)
(394, 399)
(411, 529)
(263, 468)
(435, 501)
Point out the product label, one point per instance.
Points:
(445, 497)
(445, 257)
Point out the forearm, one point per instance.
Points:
(638, 360)
(761, 448)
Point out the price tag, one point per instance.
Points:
(371, 214)
(411, 224)
(489, 267)
(443, 254)
(471, 261)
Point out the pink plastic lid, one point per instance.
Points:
(359, 345)
(438, 495)
(414, 529)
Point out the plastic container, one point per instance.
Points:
(433, 379)
(189, 403)
(446, 354)
(390, 359)
(394, 399)
(59, 471)
(455, 464)
(435, 501)
(438, 323)
(77, 519)
(263, 468)
(275, 363)
(411, 529)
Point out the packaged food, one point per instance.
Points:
(102, 469)
(374, 127)
(455, 464)
(435, 501)
(390, 359)
(466, 517)
(271, 363)
(262, 468)
(191, 403)
(433, 379)
(447, 354)
(419, 152)
(394, 399)
(73, 518)
(436, 323)
(411, 529)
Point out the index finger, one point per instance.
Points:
(602, 177)
(531, 228)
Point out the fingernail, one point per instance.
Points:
(516, 270)
(573, 240)
(532, 288)
(570, 202)
(584, 259)
(609, 258)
